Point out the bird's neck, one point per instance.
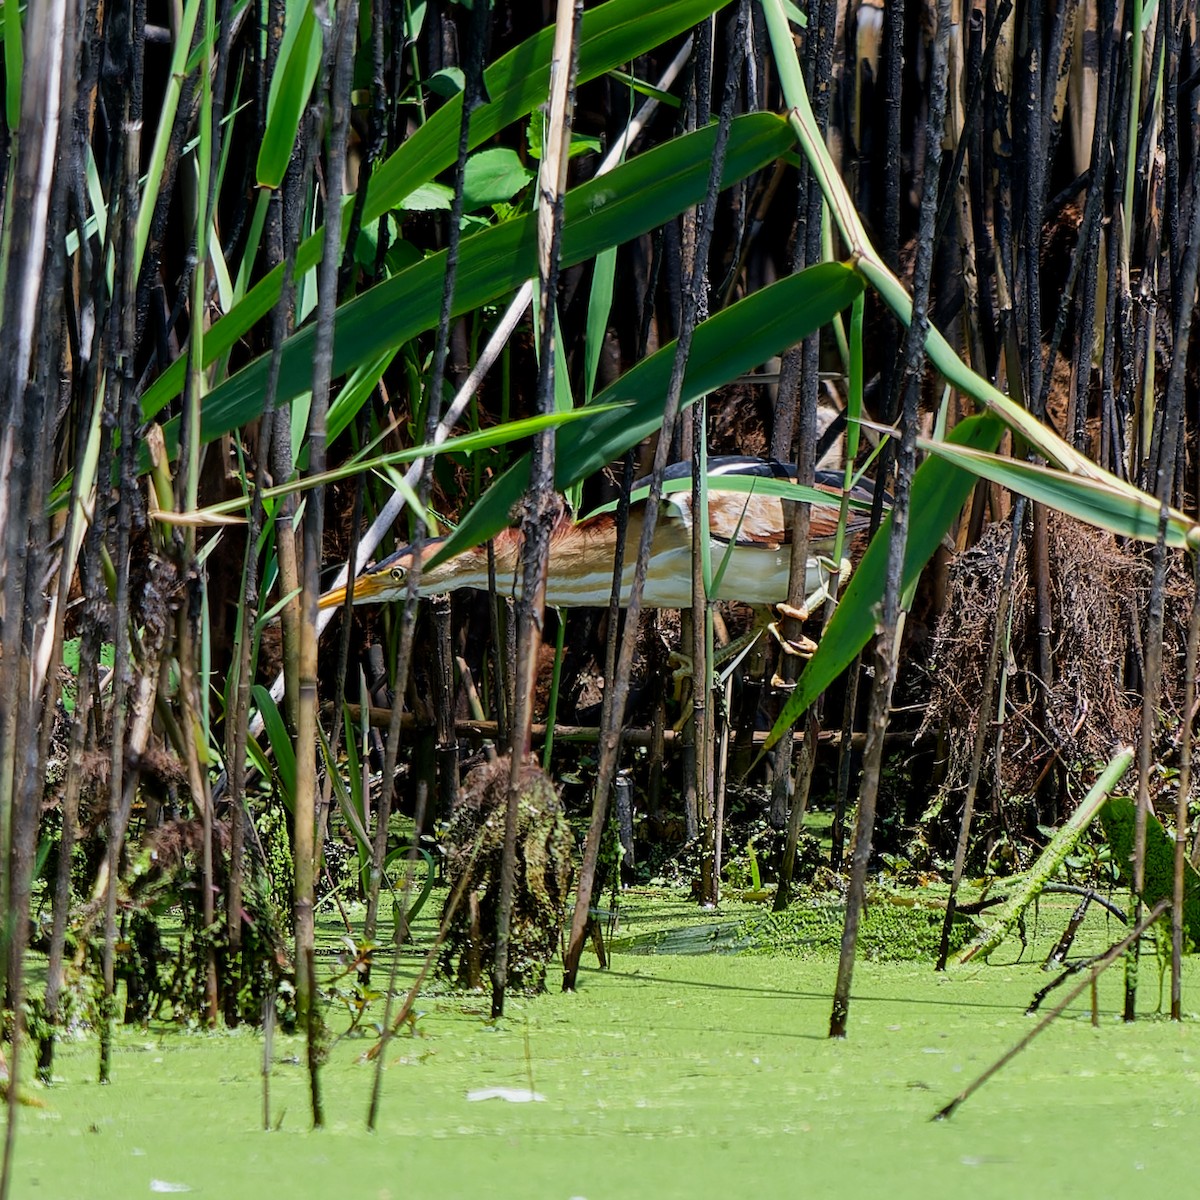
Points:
(470, 568)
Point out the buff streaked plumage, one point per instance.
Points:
(752, 530)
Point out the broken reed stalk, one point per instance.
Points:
(887, 643)
(1052, 857)
(478, 728)
(389, 1027)
(796, 440)
(542, 505)
(1111, 956)
(120, 402)
(1183, 795)
(610, 741)
(983, 723)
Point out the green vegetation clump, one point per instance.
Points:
(475, 847)
(893, 929)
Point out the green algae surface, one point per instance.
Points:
(667, 1075)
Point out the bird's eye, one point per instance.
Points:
(398, 574)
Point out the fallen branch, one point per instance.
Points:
(1114, 952)
(1061, 845)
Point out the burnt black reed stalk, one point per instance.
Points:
(1059, 51)
(284, 220)
(213, 70)
(1083, 260)
(612, 639)
(1110, 451)
(893, 75)
(121, 403)
(28, 398)
(1029, 113)
(800, 377)
(1183, 796)
(837, 846)
(710, 805)
(693, 114)
(979, 71)
(342, 667)
(610, 737)
(975, 139)
(447, 738)
(1171, 442)
(185, 113)
(472, 98)
(541, 505)
(236, 728)
(893, 172)
(887, 640)
(702, 725)
(1089, 230)
(696, 271)
(498, 625)
(1173, 14)
(376, 140)
(983, 722)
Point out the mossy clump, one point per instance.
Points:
(474, 853)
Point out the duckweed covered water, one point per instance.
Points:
(893, 929)
(688, 1076)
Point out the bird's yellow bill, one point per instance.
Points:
(368, 589)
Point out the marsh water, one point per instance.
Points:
(690, 1075)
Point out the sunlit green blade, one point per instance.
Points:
(737, 339)
(939, 491)
(748, 484)
(295, 73)
(1035, 433)
(14, 65)
(467, 443)
(599, 306)
(632, 199)
(611, 34)
(1133, 515)
(281, 744)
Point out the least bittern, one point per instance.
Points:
(753, 530)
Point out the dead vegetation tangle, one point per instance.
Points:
(1099, 590)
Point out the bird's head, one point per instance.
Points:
(382, 583)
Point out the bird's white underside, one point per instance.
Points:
(753, 575)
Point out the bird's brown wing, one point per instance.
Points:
(747, 520)
(762, 520)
